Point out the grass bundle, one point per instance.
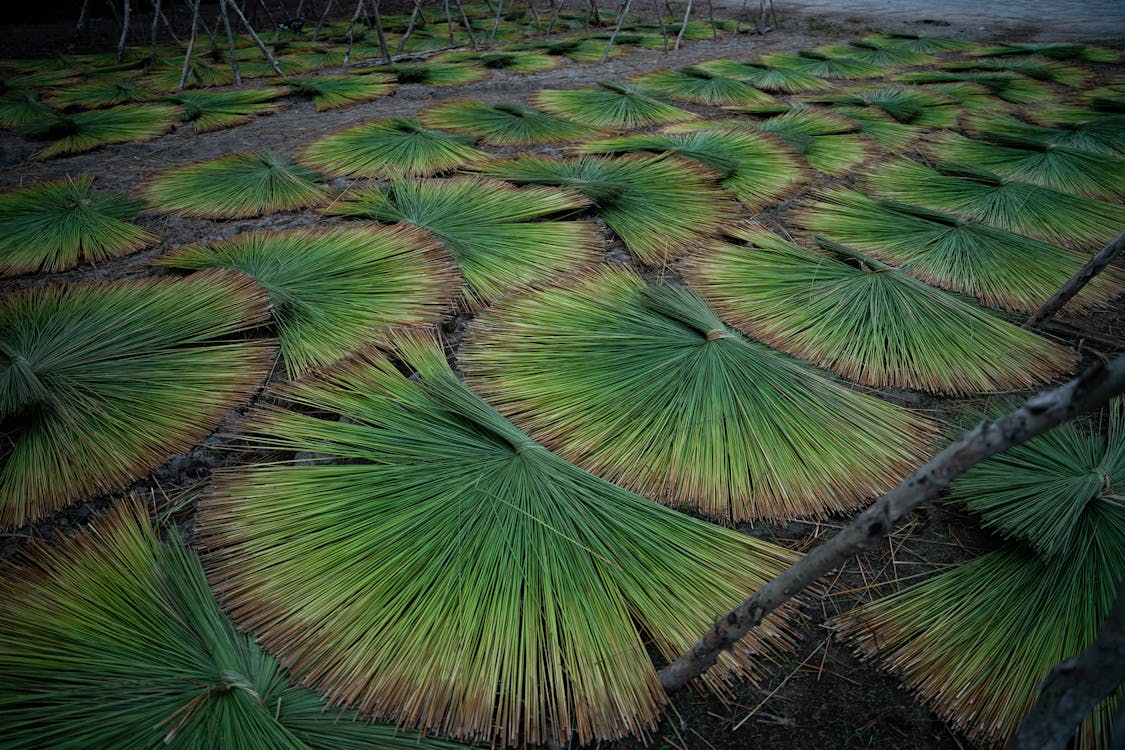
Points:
(824, 66)
(332, 291)
(1005, 203)
(99, 94)
(54, 226)
(767, 77)
(698, 86)
(83, 131)
(1101, 134)
(918, 42)
(1052, 51)
(645, 385)
(235, 186)
(612, 105)
(1064, 168)
(866, 321)
(388, 147)
(513, 62)
(100, 383)
(111, 638)
(881, 127)
(575, 49)
(333, 92)
(1000, 268)
(830, 143)
(504, 124)
(1010, 87)
(1040, 69)
(201, 75)
(215, 110)
(909, 105)
(757, 168)
(971, 96)
(873, 53)
(432, 73)
(447, 572)
(644, 40)
(492, 229)
(24, 108)
(659, 206)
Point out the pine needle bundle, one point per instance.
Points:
(235, 186)
(385, 147)
(1052, 51)
(698, 86)
(824, 66)
(23, 109)
(100, 383)
(866, 321)
(504, 124)
(333, 92)
(1104, 135)
(645, 385)
(612, 105)
(1005, 203)
(923, 43)
(99, 94)
(643, 40)
(767, 77)
(431, 73)
(1040, 69)
(660, 206)
(830, 143)
(492, 229)
(575, 49)
(757, 168)
(216, 110)
(111, 638)
(880, 127)
(1011, 87)
(84, 131)
(513, 62)
(971, 96)
(332, 291)
(1000, 268)
(883, 55)
(910, 105)
(447, 572)
(201, 75)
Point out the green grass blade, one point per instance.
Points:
(504, 124)
(388, 147)
(612, 106)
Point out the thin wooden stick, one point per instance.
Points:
(495, 22)
(535, 16)
(449, 23)
(468, 27)
(616, 29)
(152, 30)
(555, 17)
(660, 18)
(711, 18)
(167, 23)
(257, 40)
(1074, 285)
(190, 46)
(80, 28)
(323, 18)
(683, 26)
(124, 33)
(409, 26)
(379, 30)
(230, 40)
(351, 26)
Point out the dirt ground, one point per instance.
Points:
(822, 698)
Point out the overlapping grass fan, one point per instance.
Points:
(99, 94)
(513, 62)
(767, 77)
(830, 143)
(644, 385)
(447, 572)
(698, 86)
(611, 105)
(395, 146)
(1101, 134)
(100, 383)
(911, 105)
(1011, 87)
(431, 73)
(576, 49)
(494, 231)
(83, 131)
(23, 109)
(1051, 50)
(870, 323)
(876, 53)
(504, 124)
(166, 76)
(111, 638)
(215, 110)
(825, 66)
(1034, 67)
(923, 43)
(333, 92)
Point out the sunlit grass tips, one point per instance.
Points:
(698, 86)
(215, 110)
(83, 131)
(1101, 134)
(333, 92)
(504, 124)
(611, 105)
(386, 147)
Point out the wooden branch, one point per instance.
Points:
(660, 18)
(616, 29)
(468, 26)
(124, 33)
(1075, 687)
(379, 30)
(351, 28)
(409, 27)
(153, 29)
(230, 41)
(323, 18)
(83, 13)
(555, 17)
(683, 26)
(1076, 282)
(190, 46)
(257, 40)
(1087, 392)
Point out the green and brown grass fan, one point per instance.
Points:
(644, 385)
(911, 105)
(923, 43)
(100, 383)
(398, 146)
(333, 92)
(24, 109)
(766, 77)
(431, 73)
(1041, 69)
(1051, 50)
(512, 62)
(445, 571)
(504, 124)
(866, 321)
(825, 66)
(828, 142)
(575, 49)
(99, 94)
(54, 226)
(201, 75)
(1104, 135)
(612, 105)
(215, 110)
(1011, 87)
(695, 85)
(879, 53)
(84, 131)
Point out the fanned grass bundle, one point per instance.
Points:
(1052, 51)
(697, 86)
(971, 96)
(830, 143)
(866, 321)
(768, 77)
(504, 124)
(388, 147)
(332, 291)
(1000, 268)
(100, 383)
(23, 109)
(613, 106)
(450, 573)
(99, 94)
(333, 92)
(201, 75)
(825, 66)
(1037, 68)
(659, 206)
(910, 105)
(513, 62)
(111, 638)
(492, 229)
(53, 226)
(918, 42)
(1063, 168)
(1010, 87)
(431, 73)
(235, 186)
(757, 168)
(883, 55)
(215, 110)
(646, 386)
(1005, 203)
(1101, 134)
(881, 127)
(576, 49)
(83, 131)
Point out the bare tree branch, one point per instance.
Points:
(1076, 282)
(257, 40)
(124, 33)
(1087, 392)
(190, 46)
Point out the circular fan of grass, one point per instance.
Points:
(698, 86)
(431, 73)
(235, 186)
(1101, 134)
(1064, 168)
(100, 383)
(1025, 607)
(824, 66)
(646, 386)
(53, 226)
(909, 105)
(757, 168)
(504, 124)
(24, 109)
(215, 110)
(613, 106)
(768, 77)
(1001, 268)
(111, 638)
(201, 75)
(1010, 87)
(513, 62)
(866, 321)
(333, 290)
(1005, 203)
(830, 143)
(660, 206)
(450, 573)
(1037, 68)
(333, 92)
(576, 49)
(880, 127)
(99, 94)
(398, 146)
(918, 42)
(1052, 51)
(84, 131)
(883, 55)
(489, 227)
